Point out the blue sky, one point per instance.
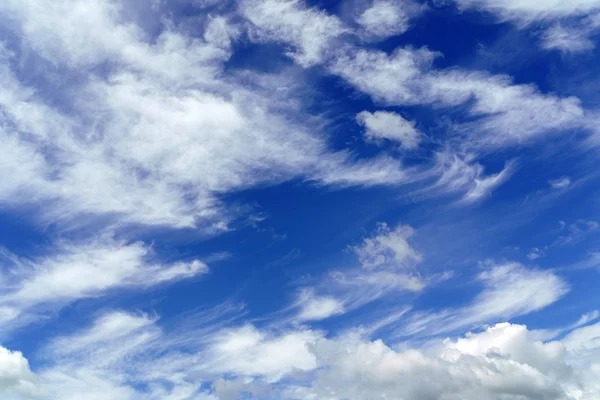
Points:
(344, 200)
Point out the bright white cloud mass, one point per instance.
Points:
(289, 199)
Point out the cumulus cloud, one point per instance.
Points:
(503, 361)
(389, 125)
(498, 363)
(17, 382)
(120, 353)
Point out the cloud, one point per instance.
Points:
(503, 113)
(566, 40)
(311, 32)
(128, 356)
(248, 351)
(501, 362)
(387, 262)
(164, 131)
(314, 308)
(383, 19)
(509, 290)
(389, 248)
(560, 183)
(17, 382)
(389, 125)
(536, 253)
(463, 174)
(528, 10)
(88, 269)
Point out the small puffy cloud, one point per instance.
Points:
(313, 308)
(389, 125)
(387, 248)
(560, 183)
(385, 18)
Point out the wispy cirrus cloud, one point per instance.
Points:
(77, 271)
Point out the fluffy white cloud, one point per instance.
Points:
(389, 125)
(17, 382)
(120, 354)
(388, 248)
(505, 361)
(249, 351)
(309, 30)
(314, 307)
(385, 18)
(163, 131)
(500, 363)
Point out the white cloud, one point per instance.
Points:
(463, 174)
(17, 382)
(536, 253)
(386, 260)
(315, 308)
(528, 10)
(122, 353)
(310, 31)
(384, 18)
(388, 248)
(501, 363)
(504, 113)
(560, 183)
(163, 131)
(86, 270)
(128, 356)
(389, 125)
(249, 351)
(509, 290)
(566, 40)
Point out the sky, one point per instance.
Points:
(303, 200)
